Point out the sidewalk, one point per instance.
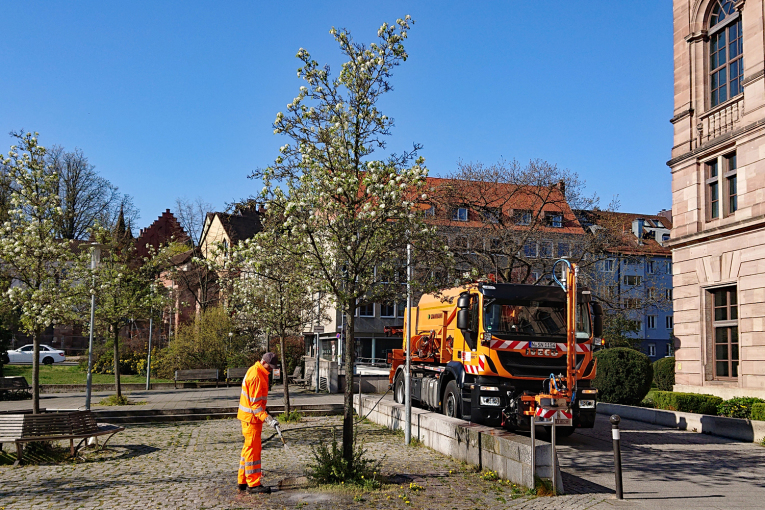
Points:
(173, 399)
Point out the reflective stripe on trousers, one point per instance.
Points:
(249, 461)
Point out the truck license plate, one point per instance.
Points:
(543, 345)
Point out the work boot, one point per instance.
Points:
(242, 487)
(259, 489)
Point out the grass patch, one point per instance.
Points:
(68, 374)
(122, 400)
(292, 417)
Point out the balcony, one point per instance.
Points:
(720, 120)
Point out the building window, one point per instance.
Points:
(608, 265)
(668, 294)
(564, 250)
(530, 249)
(545, 249)
(554, 219)
(523, 217)
(460, 214)
(726, 63)
(725, 332)
(664, 237)
(670, 349)
(669, 267)
(367, 310)
(650, 293)
(461, 242)
(633, 280)
(535, 276)
(651, 321)
(731, 188)
(430, 211)
(652, 350)
(387, 310)
(713, 189)
(401, 308)
(649, 267)
(670, 322)
(632, 303)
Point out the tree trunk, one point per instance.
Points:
(350, 357)
(117, 360)
(282, 343)
(36, 371)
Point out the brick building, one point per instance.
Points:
(718, 192)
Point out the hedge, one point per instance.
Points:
(758, 412)
(739, 407)
(664, 373)
(686, 402)
(624, 375)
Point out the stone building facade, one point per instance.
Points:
(718, 196)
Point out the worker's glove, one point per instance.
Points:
(272, 422)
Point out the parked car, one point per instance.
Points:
(48, 355)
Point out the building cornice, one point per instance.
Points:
(681, 115)
(753, 77)
(711, 234)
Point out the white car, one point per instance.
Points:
(48, 355)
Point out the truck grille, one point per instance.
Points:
(534, 366)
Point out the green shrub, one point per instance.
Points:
(758, 412)
(686, 402)
(624, 375)
(131, 362)
(739, 407)
(664, 373)
(330, 466)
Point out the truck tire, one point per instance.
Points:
(451, 403)
(564, 431)
(398, 388)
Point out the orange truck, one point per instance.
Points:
(498, 353)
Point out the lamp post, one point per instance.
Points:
(95, 259)
(230, 336)
(148, 358)
(408, 333)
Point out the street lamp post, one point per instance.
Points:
(95, 259)
(148, 358)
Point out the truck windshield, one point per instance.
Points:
(533, 318)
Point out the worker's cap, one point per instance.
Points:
(269, 358)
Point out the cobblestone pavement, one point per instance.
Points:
(193, 465)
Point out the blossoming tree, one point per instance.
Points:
(348, 215)
(42, 289)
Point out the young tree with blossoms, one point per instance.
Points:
(347, 215)
(42, 289)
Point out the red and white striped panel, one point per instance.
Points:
(545, 414)
(565, 414)
(471, 369)
(507, 345)
(580, 348)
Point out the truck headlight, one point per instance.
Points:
(489, 401)
(586, 404)
(489, 388)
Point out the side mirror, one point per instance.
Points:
(463, 301)
(463, 318)
(597, 320)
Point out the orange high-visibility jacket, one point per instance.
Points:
(252, 403)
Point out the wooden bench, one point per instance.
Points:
(196, 375)
(235, 373)
(13, 384)
(26, 428)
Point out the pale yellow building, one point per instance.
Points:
(718, 188)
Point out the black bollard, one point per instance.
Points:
(617, 455)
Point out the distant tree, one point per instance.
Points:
(344, 212)
(618, 328)
(87, 198)
(5, 192)
(123, 289)
(269, 288)
(34, 260)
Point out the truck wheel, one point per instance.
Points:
(451, 403)
(398, 388)
(564, 431)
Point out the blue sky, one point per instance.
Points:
(173, 99)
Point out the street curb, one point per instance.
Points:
(751, 431)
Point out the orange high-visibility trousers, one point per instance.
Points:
(249, 463)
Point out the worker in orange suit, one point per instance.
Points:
(252, 413)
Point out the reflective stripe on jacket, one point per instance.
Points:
(252, 402)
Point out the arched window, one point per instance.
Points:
(726, 64)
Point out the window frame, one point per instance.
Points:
(728, 325)
(726, 173)
(721, 30)
(359, 308)
(651, 321)
(457, 214)
(669, 322)
(392, 306)
(651, 350)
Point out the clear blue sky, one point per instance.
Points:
(173, 99)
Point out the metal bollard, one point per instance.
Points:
(617, 455)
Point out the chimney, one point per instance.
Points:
(637, 229)
(561, 186)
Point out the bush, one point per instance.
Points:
(758, 412)
(664, 373)
(331, 467)
(131, 362)
(739, 407)
(624, 375)
(686, 402)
